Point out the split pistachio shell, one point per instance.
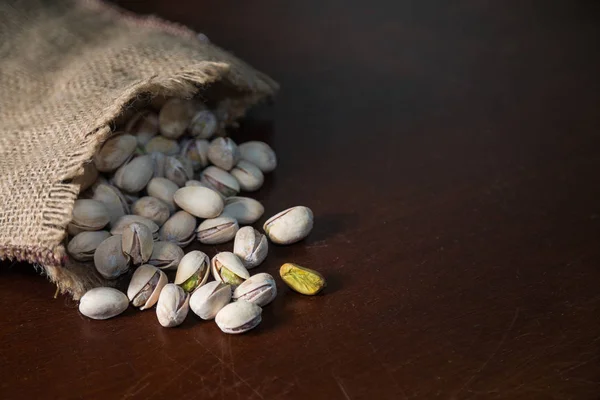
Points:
(178, 169)
(175, 116)
(152, 208)
(217, 230)
(204, 124)
(259, 289)
(238, 317)
(114, 152)
(199, 201)
(109, 259)
(137, 243)
(84, 244)
(209, 299)
(193, 271)
(196, 150)
(159, 164)
(173, 306)
(250, 246)
(244, 209)
(87, 178)
(179, 229)
(163, 145)
(125, 220)
(103, 303)
(143, 125)
(163, 189)
(88, 215)
(145, 286)
(227, 268)
(289, 226)
(224, 153)
(135, 175)
(113, 199)
(248, 175)
(166, 255)
(302, 280)
(222, 181)
(259, 154)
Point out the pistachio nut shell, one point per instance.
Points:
(196, 150)
(163, 145)
(159, 164)
(126, 220)
(179, 229)
(142, 276)
(248, 175)
(259, 154)
(236, 272)
(250, 246)
(175, 116)
(109, 260)
(103, 303)
(238, 317)
(152, 208)
(193, 182)
(88, 215)
(224, 153)
(84, 244)
(166, 255)
(164, 190)
(143, 125)
(204, 124)
(220, 180)
(301, 279)
(137, 243)
(87, 178)
(113, 199)
(114, 152)
(199, 201)
(209, 299)
(135, 175)
(196, 265)
(244, 209)
(217, 230)
(259, 289)
(289, 226)
(173, 306)
(178, 169)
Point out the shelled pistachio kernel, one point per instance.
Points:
(193, 271)
(227, 268)
(302, 280)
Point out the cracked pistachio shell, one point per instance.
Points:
(159, 164)
(250, 246)
(259, 289)
(152, 208)
(302, 280)
(199, 201)
(125, 220)
(163, 189)
(103, 303)
(175, 116)
(227, 268)
(166, 255)
(244, 209)
(217, 230)
(145, 286)
(173, 306)
(224, 153)
(204, 124)
(289, 226)
(84, 244)
(163, 145)
(178, 169)
(238, 317)
(137, 243)
(135, 175)
(220, 180)
(259, 154)
(196, 150)
(248, 175)
(109, 259)
(179, 229)
(193, 271)
(143, 125)
(87, 178)
(88, 215)
(209, 299)
(114, 152)
(113, 199)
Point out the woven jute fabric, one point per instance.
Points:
(67, 69)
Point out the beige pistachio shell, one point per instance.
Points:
(199, 201)
(224, 153)
(114, 201)
(259, 289)
(109, 260)
(145, 286)
(175, 116)
(178, 169)
(204, 124)
(125, 220)
(88, 215)
(163, 145)
(179, 229)
(227, 268)
(244, 209)
(220, 180)
(135, 175)
(114, 152)
(238, 317)
(163, 189)
(196, 150)
(173, 306)
(248, 175)
(193, 182)
(103, 303)
(166, 255)
(209, 299)
(152, 208)
(217, 230)
(250, 246)
(143, 125)
(289, 226)
(259, 154)
(137, 243)
(87, 178)
(84, 244)
(159, 164)
(193, 270)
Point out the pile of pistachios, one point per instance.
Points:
(165, 178)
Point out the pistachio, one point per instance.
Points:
(250, 246)
(179, 229)
(130, 198)
(162, 145)
(227, 268)
(114, 152)
(88, 215)
(173, 306)
(193, 271)
(159, 164)
(143, 125)
(113, 199)
(199, 201)
(217, 230)
(209, 299)
(223, 153)
(204, 124)
(179, 170)
(103, 303)
(238, 317)
(259, 289)
(163, 189)
(145, 286)
(244, 209)
(125, 220)
(166, 255)
(175, 116)
(302, 280)
(196, 150)
(84, 244)
(152, 208)
(259, 154)
(289, 226)
(222, 181)
(137, 243)
(109, 259)
(193, 182)
(87, 178)
(248, 175)
(135, 175)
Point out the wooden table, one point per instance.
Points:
(450, 152)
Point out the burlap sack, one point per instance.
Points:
(67, 69)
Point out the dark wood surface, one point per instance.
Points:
(450, 152)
